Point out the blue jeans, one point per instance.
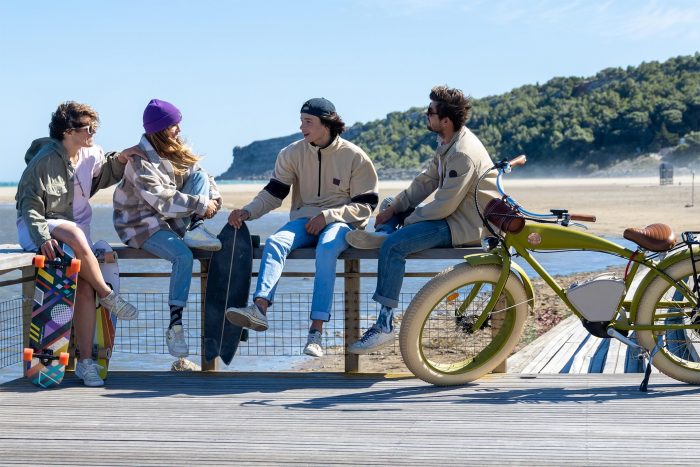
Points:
(330, 243)
(399, 244)
(168, 245)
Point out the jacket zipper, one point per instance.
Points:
(319, 173)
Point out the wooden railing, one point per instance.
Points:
(13, 258)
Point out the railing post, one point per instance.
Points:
(27, 303)
(204, 269)
(352, 312)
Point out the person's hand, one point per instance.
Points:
(384, 216)
(237, 217)
(212, 209)
(316, 224)
(129, 153)
(217, 206)
(49, 249)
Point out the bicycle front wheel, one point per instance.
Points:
(439, 342)
(664, 304)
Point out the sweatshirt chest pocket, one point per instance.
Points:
(55, 196)
(339, 184)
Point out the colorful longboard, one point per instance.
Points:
(106, 322)
(46, 357)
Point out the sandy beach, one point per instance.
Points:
(617, 202)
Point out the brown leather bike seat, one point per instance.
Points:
(654, 237)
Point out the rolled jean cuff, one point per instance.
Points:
(320, 316)
(177, 303)
(390, 302)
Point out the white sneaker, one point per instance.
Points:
(89, 372)
(373, 339)
(249, 317)
(199, 237)
(177, 344)
(363, 240)
(386, 202)
(119, 307)
(313, 344)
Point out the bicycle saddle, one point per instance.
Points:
(654, 237)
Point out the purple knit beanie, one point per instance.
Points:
(159, 115)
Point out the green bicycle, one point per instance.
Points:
(467, 320)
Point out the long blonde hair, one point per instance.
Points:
(173, 149)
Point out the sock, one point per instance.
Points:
(175, 316)
(385, 319)
(194, 223)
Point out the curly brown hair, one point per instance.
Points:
(173, 149)
(68, 115)
(451, 103)
(334, 123)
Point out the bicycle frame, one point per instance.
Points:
(550, 237)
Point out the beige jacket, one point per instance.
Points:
(338, 181)
(452, 175)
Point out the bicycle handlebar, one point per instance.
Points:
(518, 160)
(504, 166)
(583, 217)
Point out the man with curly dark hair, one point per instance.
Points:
(449, 219)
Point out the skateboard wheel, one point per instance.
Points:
(38, 261)
(27, 355)
(63, 358)
(74, 267)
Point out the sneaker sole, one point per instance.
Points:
(311, 353)
(206, 247)
(372, 349)
(361, 241)
(244, 321)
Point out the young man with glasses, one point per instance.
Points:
(450, 219)
(63, 172)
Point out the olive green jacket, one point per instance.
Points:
(45, 190)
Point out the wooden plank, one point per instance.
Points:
(331, 419)
(554, 339)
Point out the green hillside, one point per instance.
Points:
(583, 124)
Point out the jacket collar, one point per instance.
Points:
(444, 148)
(332, 146)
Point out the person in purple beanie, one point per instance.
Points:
(161, 204)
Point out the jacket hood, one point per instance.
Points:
(43, 146)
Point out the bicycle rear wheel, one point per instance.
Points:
(438, 339)
(664, 304)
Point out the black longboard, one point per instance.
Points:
(228, 284)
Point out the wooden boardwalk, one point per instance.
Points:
(329, 419)
(569, 348)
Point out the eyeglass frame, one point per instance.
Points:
(430, 112)
(91, 129)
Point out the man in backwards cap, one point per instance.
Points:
(334, 191)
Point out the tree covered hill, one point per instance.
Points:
(583, 124)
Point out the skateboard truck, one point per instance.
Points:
(46, 356)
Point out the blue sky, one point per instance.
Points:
(240, 70)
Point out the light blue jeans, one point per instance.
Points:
(168, 245)
(330, 243)
(399, 244)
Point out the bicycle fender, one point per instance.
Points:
(490, 258)
(651, 275)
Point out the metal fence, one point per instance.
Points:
(288, 318)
